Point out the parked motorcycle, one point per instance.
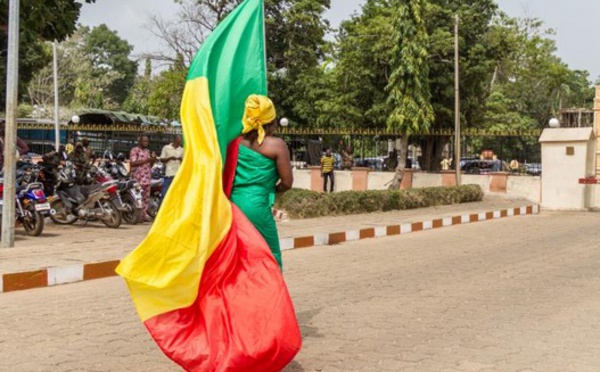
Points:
(31, 205)
(87, 202)
(129, 190)
(155, 197)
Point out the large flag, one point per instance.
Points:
(204, 281)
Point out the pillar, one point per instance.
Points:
(499, 182)
(360, 178)
(407, 179)
(597, 127)
(316, 181)
(448, 178)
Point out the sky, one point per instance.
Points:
(573, 23)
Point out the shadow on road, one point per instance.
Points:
(306, 326)
(294, 367)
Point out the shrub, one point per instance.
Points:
(307, 204)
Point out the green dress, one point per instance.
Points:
(254, 193)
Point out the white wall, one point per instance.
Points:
(476, 179)
(378, 180)
(525, 187)
(427, 180)
(302, 179)
(561, 174)
(518, 186)
(343, 181)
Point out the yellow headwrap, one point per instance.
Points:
(259, 110)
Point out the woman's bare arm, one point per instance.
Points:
(284, 166)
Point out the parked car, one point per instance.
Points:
(478, 166)
(533, 169)
(377, 163)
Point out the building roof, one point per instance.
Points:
(96, 116)
(566, 135)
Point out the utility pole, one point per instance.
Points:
(10, 130)
(56, 124)
(456, 104)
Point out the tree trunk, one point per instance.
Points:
(397, 181)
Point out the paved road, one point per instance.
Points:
(521, 294)
(78, 244)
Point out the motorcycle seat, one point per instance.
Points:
(86, 190)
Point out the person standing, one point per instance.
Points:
(347, 159)
(141, 161)
(514, 166)
(263, 168)
(327, 162)
(69, 148)
(89, 153)
(171, 156)
(62, 153)
(81, 163)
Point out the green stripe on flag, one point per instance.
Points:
(232, 58)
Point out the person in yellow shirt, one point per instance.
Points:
(514, 166)
(327, 163)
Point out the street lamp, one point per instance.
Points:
(554, 123)
(284, 122)
(75, 119)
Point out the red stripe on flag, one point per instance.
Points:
(243, 318)
(230, 165)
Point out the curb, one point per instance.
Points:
(57, 275)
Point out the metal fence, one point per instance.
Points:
(374, 151)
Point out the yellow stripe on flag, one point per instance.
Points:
(163, 273)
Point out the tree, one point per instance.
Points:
(138, 99)
(408, 86)
(109, 53)
(296, 49)
(479, 54)
(166, 92)
(41, 20)
(295, 31)
(357, 98)
(94, 71)
(530, 85)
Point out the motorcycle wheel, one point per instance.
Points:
(153, 204)
(34, 225)
(132, 215)
(113, 220)
(61, 215)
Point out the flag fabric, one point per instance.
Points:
(204, 281)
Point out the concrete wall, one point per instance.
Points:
(474, 179)
(302, 179)
(427, 180)
(525, 187)
(343, 181)
(560, 188)
(380, 180)
(517, 186)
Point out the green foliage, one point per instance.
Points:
(94, 71)
(108, 53)
(408, 85)
(308, 204)
(137, 100)
(164, 100)
(40, 20)
(295, 47)
(357, 96)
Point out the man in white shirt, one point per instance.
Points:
(171, 156)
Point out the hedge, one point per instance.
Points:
(308, 204)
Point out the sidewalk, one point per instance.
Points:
(66, 254)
